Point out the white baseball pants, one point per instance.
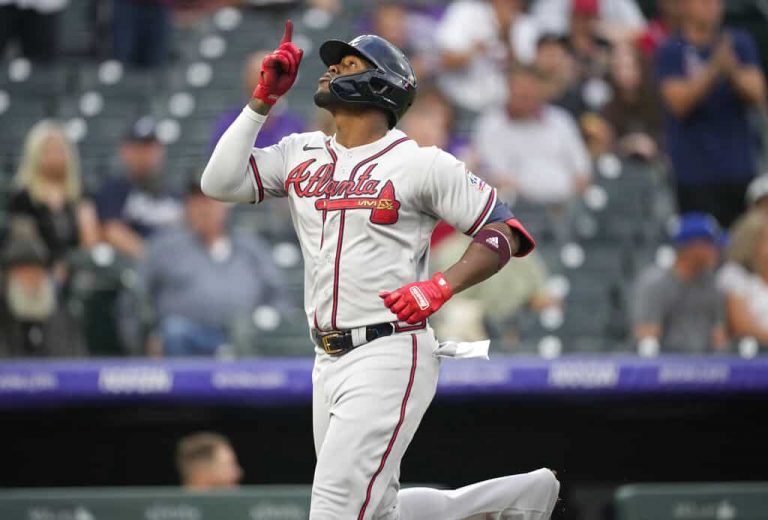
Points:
(367, 406)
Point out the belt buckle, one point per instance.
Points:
(325, 342)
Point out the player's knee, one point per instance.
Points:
(331, 496)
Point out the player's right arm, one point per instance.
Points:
(233, 174)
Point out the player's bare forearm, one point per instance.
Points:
(478, 263)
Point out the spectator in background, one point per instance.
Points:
(489, 310)
(477, 40)
(136, 204)
(200, 277)
(32, 323)
(283, 122)
(430, 122)
(141, 31)
(618, 19)
(332, 7)
(558, 71)
(634, 111)
(410, 31)
(666, 22)
(206, 461)
(34, 24)
(680, 309)
(710, 78)
(533, 149)
(744, 278)
(757, 194)
(590, 50)
(49, 193)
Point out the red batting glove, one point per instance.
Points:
(279, 69)
(417, 301)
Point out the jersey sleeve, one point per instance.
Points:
(451, 192)
(452, 31)
(267, 169)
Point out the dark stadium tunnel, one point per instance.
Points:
(595, 444)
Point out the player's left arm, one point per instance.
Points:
(483, 258)
(466, 202)
(490, 250)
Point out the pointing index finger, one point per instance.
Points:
(288, 34)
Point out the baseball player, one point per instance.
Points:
(363, 204)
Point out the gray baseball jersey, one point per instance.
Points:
(364, 216)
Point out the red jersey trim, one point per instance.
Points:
(257, 176)
(527, 243)
(484, 215)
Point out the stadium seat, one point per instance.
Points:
(96, 283)
(258, 335)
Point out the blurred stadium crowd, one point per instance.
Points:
(628, 135)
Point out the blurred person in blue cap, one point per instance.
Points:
(679, 308)
(134, 205)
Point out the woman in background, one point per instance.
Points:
(50, 194)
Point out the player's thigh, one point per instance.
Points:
(379, 403)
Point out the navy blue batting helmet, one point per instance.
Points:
(390, 85)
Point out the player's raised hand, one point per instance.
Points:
(417, 301)
(279, 69)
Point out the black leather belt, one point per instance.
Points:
(339, 342)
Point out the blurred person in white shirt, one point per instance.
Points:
(531, 148)
(757, 193)
(619, 19)
(744, 278)
(477, 40)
